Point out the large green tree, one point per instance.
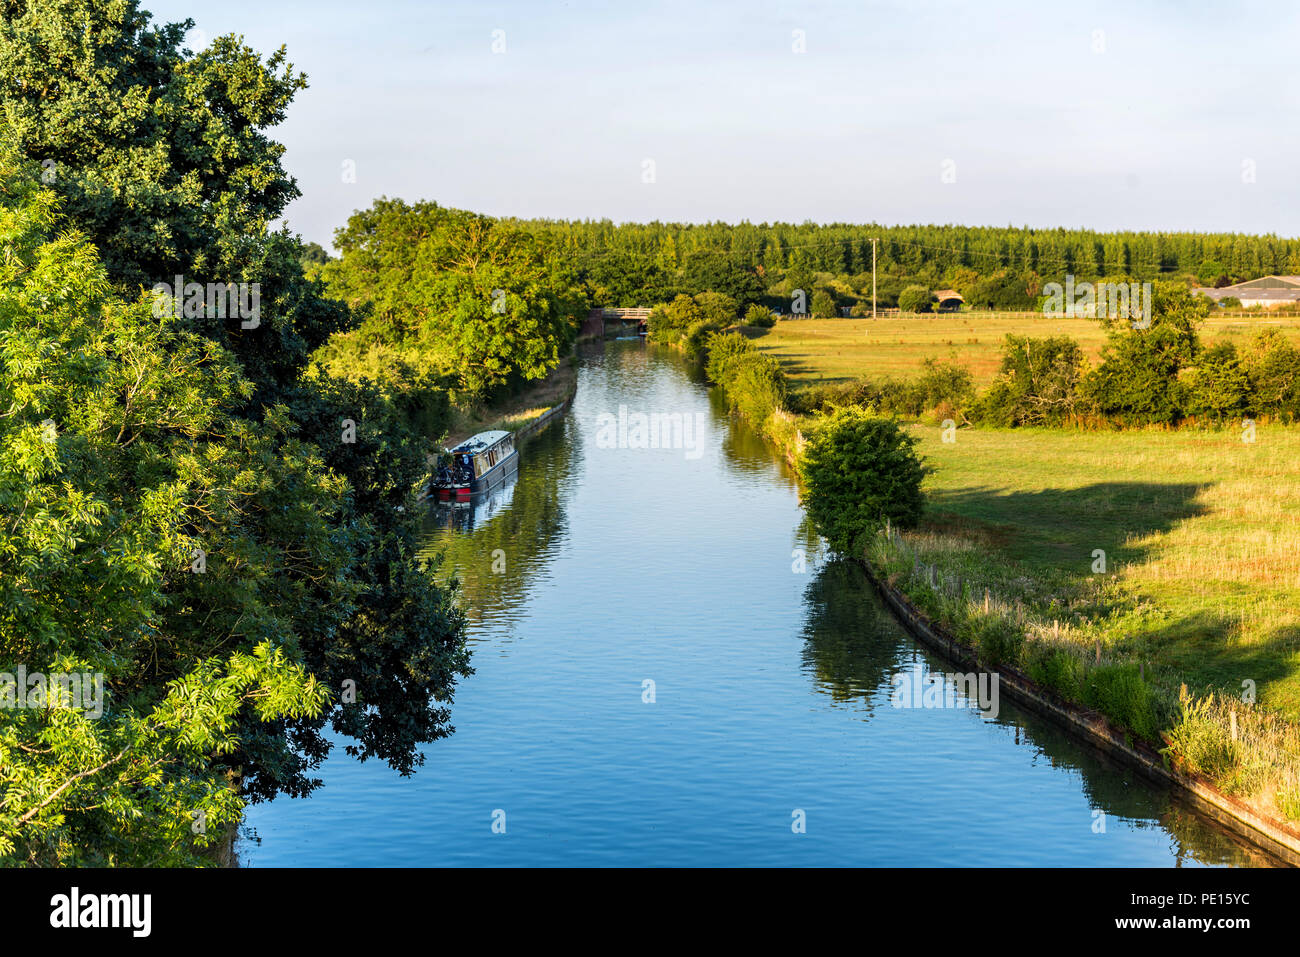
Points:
(151, 536)
(469, 295)
(162, 158)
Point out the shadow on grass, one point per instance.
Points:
(1208, 650)
(1061, 528)
(1053, 534)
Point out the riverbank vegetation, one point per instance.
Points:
(1128, 566)
(1132, 567)
(212, 444)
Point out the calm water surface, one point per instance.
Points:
(772, 690)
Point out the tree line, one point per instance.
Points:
(634, 264)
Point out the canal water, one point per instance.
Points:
(670, 671)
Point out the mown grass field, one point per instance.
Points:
(832, 350)
(1201, 533)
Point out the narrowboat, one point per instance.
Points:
(479, 464)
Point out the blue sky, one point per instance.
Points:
(1153, 115)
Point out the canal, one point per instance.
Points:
(670, 671)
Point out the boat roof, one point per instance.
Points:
(484, 440)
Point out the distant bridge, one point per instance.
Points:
(599, 319)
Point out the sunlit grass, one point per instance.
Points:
(1201, 533)
(514, 412)
(833, 350)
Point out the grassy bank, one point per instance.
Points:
(1199, 531)
(1201, 580)
(837, 350)
(515, 411)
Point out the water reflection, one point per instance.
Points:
(478, 511)
(854, 647)
(496, 545)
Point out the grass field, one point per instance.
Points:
(1201, 534)
(830, 350)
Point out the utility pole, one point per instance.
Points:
(873, 277)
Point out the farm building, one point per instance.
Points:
(948, 300)
(1265, 291)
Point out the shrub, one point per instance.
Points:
(1037, 383)
(1200, 744)
(669, 321)
(823, 305)
(759, 315)
(860, 470)
(1216, 387)
(1272, 366)
(752, 382)
(717, 308)
(724, 349)
(915, 299)
(1137, 382)
(1120, 692)
(942, 383)
(1057, 670)
(757, 387)
(999, 640)
(695, 340)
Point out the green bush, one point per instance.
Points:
(759, 315)
(1216, 387)
(1056, 670)
(1138, 381)
(998, 640)
(717, 308)
(823, 305)
(1272, 366)
(724, 350)
(915, 299)
(669, 321)
(696, 339)
(1037, 383)
(752, 381)
(860, 470)
(940, 386)
(1200, 744)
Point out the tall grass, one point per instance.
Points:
(1245, 750)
